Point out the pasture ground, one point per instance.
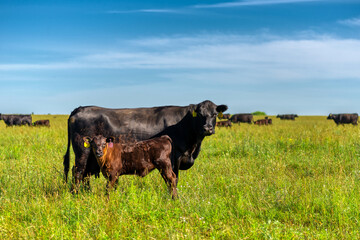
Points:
(292, 180)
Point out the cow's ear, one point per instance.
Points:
(221, 108)
(193, 110)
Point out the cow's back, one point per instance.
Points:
(139, 123)
(348, 118)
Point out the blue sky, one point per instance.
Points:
(277, 56)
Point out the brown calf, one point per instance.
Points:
(42, 123)
(140, 158)
(224, 124)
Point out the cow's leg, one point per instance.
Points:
(86, 180)
(79, 170)
(175, 164)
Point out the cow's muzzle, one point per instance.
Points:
(208, 130)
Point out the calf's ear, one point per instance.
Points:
(87, 141)
(221, 108)
(110, 141)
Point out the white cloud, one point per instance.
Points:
(187, 9)
(251, 3)
(220, 58)
(144, 11)
(351, 22)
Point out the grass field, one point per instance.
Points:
(292, 180)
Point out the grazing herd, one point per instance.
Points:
(287, 116)
(265, 121)
(224, 123)
(16, 120)
(19, 120)
(135, 141)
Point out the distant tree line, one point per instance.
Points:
(258, 113)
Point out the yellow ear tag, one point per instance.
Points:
(220, 115)
(86, 144)
(194, 113)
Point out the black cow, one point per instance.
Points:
(16, 120)
(242, 117)
(287, 116)
(186, 126)
(344, 118)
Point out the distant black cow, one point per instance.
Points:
(186, 126)
(16, 120)
(224, 123)
(242, 117)
(287, 116)
(344, 118)
(42, 123)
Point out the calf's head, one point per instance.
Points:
(204, 117)
(99, 144)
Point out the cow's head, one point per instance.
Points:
(278, 116)
(0, 117)
(204, 117)
(99, 144)
(296, 115)
(331, 116)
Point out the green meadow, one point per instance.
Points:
(291, 180)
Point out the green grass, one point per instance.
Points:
(292, 180)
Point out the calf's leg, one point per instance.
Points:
(112, 183)
(170, 179)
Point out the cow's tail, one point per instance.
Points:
(67, 154)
